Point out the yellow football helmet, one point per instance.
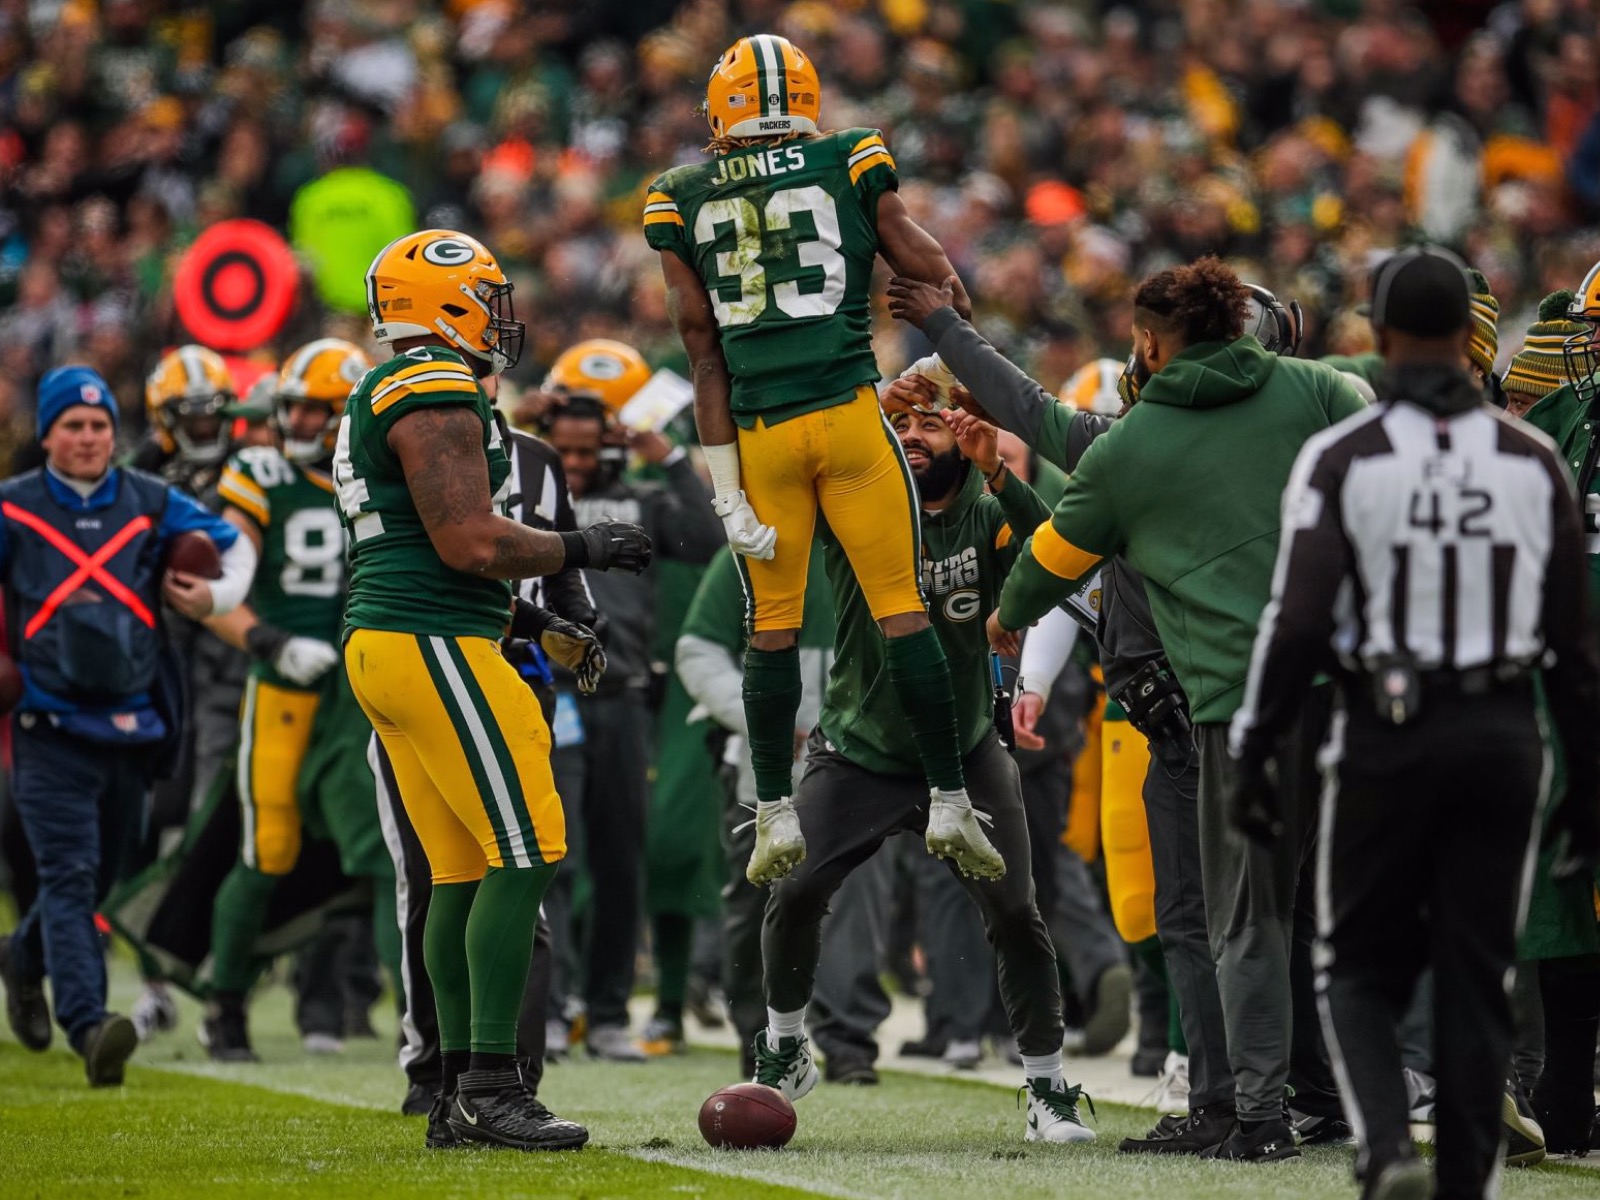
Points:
(763, 86)
(611, 371)
(1580, 352)
(185, 398)
(440, 283)
(1093, 388)
(320, 372)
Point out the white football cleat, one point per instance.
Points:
(1053, 1113)
(788, 1067)
(955, 833)
(780, 846)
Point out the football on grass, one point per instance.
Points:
(747, 1116)
(194, 553)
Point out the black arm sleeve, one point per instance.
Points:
(1572, 681)
(1293, 639)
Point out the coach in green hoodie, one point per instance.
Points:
(1187, 487)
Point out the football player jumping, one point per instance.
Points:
(768, 250)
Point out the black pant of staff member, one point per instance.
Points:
(1431, 556)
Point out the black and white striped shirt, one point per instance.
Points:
(1446, 535)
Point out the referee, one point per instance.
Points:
(1432, 558)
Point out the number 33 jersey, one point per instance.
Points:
(784, 237)
(299, 584)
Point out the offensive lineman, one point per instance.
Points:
(423, 482)
(768, 252)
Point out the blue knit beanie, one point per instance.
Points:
(64, 387)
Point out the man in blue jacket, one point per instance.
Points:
(82, 552)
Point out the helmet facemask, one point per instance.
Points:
(203, 446)
(1582, 359)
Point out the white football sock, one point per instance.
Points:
(1044, 1066)
(793, 1024)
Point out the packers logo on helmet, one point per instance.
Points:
(320, 372)
(440, 283)
(186, 398)
(1093, 388)
(611, 371)
(763, 86)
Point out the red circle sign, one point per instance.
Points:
(236, 285)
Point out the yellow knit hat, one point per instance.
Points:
(1485, 343)
(1540, 367)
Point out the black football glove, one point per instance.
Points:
(577, 649)
(1252, 804)
(609, 545)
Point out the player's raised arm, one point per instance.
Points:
(914, 252)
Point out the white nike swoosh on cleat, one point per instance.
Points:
(469, 1118)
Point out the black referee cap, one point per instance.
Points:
(1423, 291)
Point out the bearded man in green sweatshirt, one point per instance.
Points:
(1187, 488)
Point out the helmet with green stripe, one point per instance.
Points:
(763, 86)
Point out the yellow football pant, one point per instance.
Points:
(1124, 832)
(274, 730)
(469, 747)
(846, 461)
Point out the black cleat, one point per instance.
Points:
(226, 1036)
(419, 1100)
(1257, 1142)
(498, 1108)
(440, 1135)
(857, 1070)
(1202, 1130)
(1323, 1131)
(106, 1049)
(26, 1008)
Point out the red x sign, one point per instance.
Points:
(90, 566)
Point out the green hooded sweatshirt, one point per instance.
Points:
(1187, 487)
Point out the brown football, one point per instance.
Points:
(747, 1116)
(10, 684)
(194, 553)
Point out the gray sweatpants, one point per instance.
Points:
(846, 812)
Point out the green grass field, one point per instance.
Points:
(330, 1128)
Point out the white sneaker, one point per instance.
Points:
(614, 1043)
(322, 1044)
(788, 1066)
(1053, 1113)
(963, 1056)
(154, 1012)
(780, 846)
(955, 832)
(1172, 1091)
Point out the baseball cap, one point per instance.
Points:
(1422, 291)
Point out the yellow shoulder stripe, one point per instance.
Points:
(238, 480)
(659, 198)
(1003, 538)
(870, 140)
(1059, 556)
(663, 217)
(393, 395)
(253, 505)
(432, 366)
(880, 158)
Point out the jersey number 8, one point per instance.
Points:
(751, 230)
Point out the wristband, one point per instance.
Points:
(998, 471)
(577, 549)
(528, 621)
(263, 641)
(723, 463)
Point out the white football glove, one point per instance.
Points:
(746, 535)
(305, 660)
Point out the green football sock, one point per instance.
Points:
(236, 920)
(499, 946)
(444, 951)
(771, 702)
(920, 677)
(674, 942)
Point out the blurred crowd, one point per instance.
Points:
(1059, 150)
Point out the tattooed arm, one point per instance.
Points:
(441, 452)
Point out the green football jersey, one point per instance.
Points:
(397, 580)
(785, 238)
(299, 583)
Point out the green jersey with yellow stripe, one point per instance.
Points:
(398, 582)
(299, 584)
(784, 236)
